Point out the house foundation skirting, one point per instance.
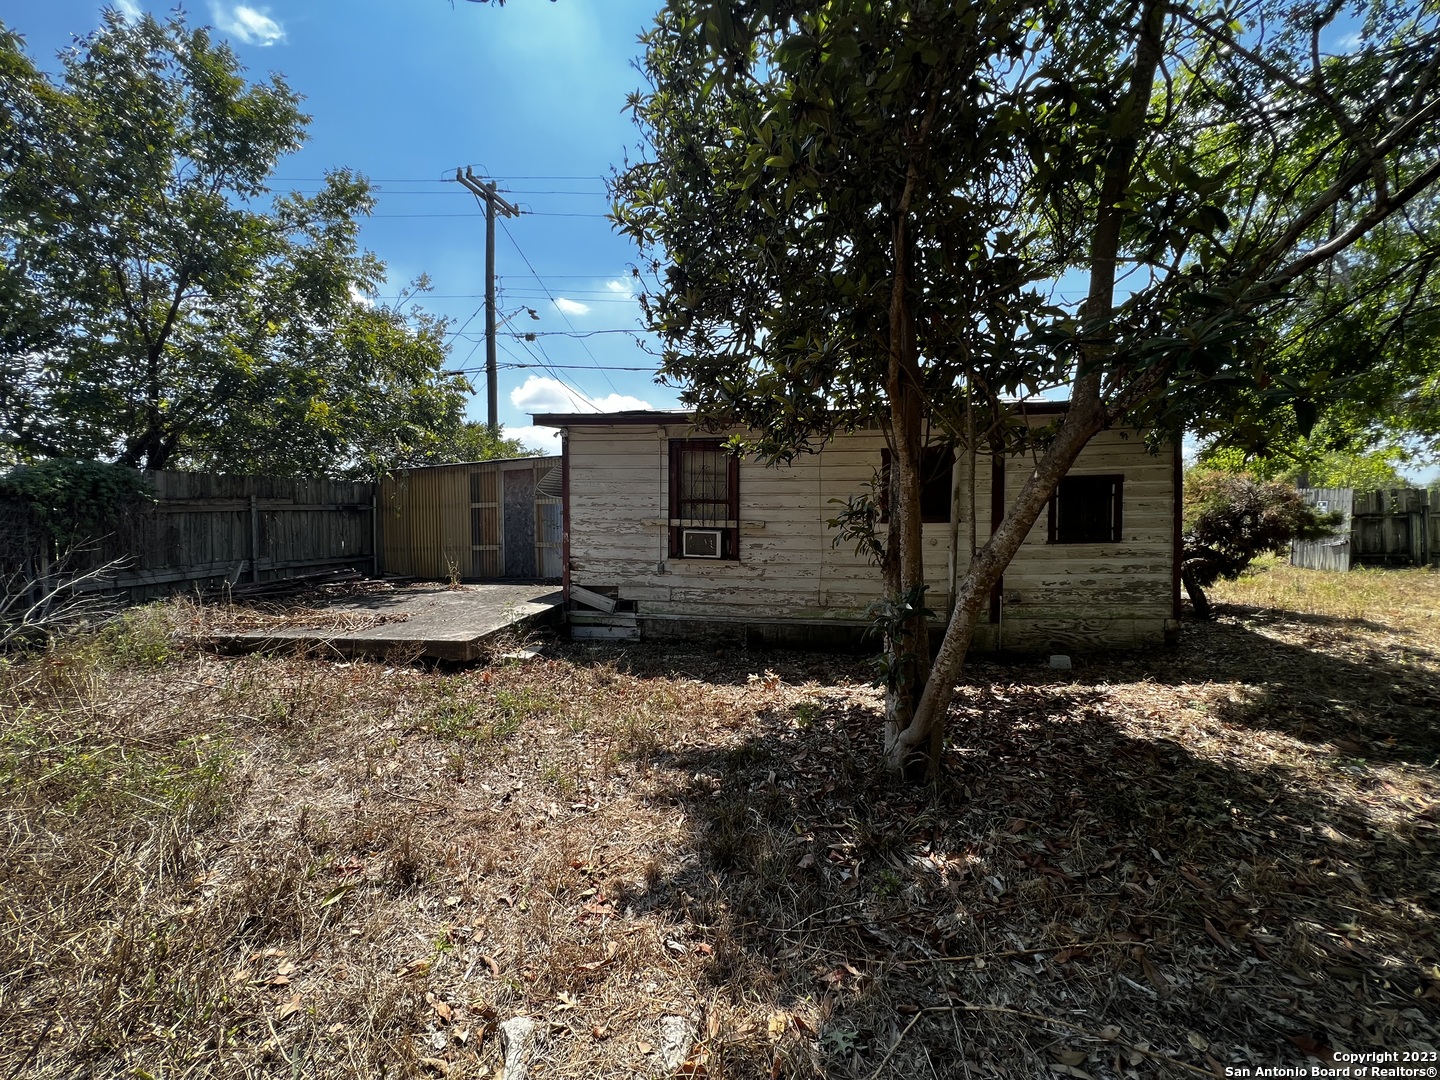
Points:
(850, 635)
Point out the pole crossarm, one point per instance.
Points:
(487, 192)
(494, 204)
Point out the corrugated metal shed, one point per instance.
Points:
(484, 520)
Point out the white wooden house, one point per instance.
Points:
(667, 535)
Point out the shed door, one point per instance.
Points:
(519, 487)
(485, 545)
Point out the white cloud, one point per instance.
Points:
(544, 439)
(130, 9)
(621, 287)
(540, 394)
(619, 403)
(359, 297)
(572, 307)
(252, 26)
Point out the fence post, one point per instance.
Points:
(254, 539)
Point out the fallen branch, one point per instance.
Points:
(57, 601)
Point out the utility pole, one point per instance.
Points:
(493, 204)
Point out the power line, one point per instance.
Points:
(465, 370)
(526, 335)
(546, 290)
(440, 180)
(549, 367)
(528, 213)
(594, 295)
(545, 365)
(467, 322)
(598, 276)
(368, 179)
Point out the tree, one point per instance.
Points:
(155, 310)
(1231, 519)
(1309, 464)
(471, 441)
(1370, 471)
(1363, 341)
(847, 205)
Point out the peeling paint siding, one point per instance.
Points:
(789, 566)
(1097, 594)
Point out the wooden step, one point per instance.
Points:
(590, 599)
(604, 633)
(599, 618)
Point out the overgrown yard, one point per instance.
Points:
(1153, 865)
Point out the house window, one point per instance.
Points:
(1087, 510)
(937, 464)
(704, 500)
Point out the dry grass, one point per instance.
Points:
(1153, 865)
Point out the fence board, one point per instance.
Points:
(1395, 527)
(203, 529)
(1331, 552)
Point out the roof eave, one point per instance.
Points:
(564, 420)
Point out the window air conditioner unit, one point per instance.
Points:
(700, 543)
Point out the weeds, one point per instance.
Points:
(293, 866)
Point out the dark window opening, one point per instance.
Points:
(937, 466)
(704, 500)
(1087, 510)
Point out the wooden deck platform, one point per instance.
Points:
(440, 623)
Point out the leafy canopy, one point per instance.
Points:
(1309, 464)
(75, 501)
(783, 149)
(157, 307)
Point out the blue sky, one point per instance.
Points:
(532, 94)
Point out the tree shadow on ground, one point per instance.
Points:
(1308, 677)
(1107, 878)
(1064, 869)
(1316, 682)
(725, 665)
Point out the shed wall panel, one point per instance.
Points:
(790, 568)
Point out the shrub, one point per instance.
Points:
(1231, 518)
(75, 501)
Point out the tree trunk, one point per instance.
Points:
(908, 639)
(1085, 418)
(925, 732)
(1198, 600)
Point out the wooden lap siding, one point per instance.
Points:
(1104, 593)
(789, 569)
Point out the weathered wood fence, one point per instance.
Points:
(204, 530)
(1398, 527)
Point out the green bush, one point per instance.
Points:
(1231, 518)
(73, 500)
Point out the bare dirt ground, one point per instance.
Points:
(1154, 865)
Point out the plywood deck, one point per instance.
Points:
(441, 624)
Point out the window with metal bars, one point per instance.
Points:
(1087, 510)
(704, 500)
